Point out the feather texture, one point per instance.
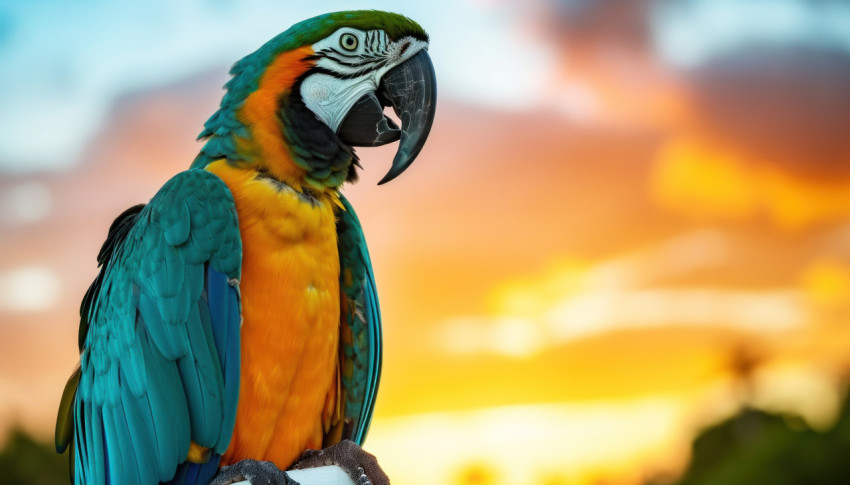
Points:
(360, 327)
(154, 369)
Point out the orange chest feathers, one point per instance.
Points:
(290, 317)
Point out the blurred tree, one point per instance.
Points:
(25, 461)
(756, 447)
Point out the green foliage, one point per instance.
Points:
(25, 461)
(755, 447)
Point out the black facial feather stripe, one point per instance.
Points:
(368, 56)
(376, 42)
(350, 65)
(330, 55)
(344, 63)
(372, 66)
(361, 57)
(350, 75)
(371, 41)
(340, 53)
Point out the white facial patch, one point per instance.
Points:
(351, 63)
(331, 98)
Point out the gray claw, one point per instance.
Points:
(257, 472)
(361, 466)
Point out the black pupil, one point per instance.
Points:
(348, 41)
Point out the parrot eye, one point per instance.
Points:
(348, 42)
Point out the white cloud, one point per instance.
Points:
(25, 203)
(690, 33)
(29, 289)
(515, 337)
(625, 293)
(596, 312)
(66, 62)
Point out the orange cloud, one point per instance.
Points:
(707, 182)
(827, 283)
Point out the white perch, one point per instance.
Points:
(324, 475)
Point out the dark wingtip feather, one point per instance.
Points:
(117, 234)
(65, 419)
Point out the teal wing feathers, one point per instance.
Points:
(159, 361)
(360, 328)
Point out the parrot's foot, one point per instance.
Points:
(361, 466)
(253, 472)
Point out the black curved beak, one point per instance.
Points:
(411, 89)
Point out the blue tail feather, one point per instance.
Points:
(196, 473)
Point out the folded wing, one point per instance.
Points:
(159, 341)
(360, 330)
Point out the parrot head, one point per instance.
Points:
(298, 106)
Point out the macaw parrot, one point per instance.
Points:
(235, 315)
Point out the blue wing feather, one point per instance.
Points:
(159, 364)
(223, 301)
(373, 311)
(360, 338)
(140, 427)
(196, 474)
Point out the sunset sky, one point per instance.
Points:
(623, 208)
